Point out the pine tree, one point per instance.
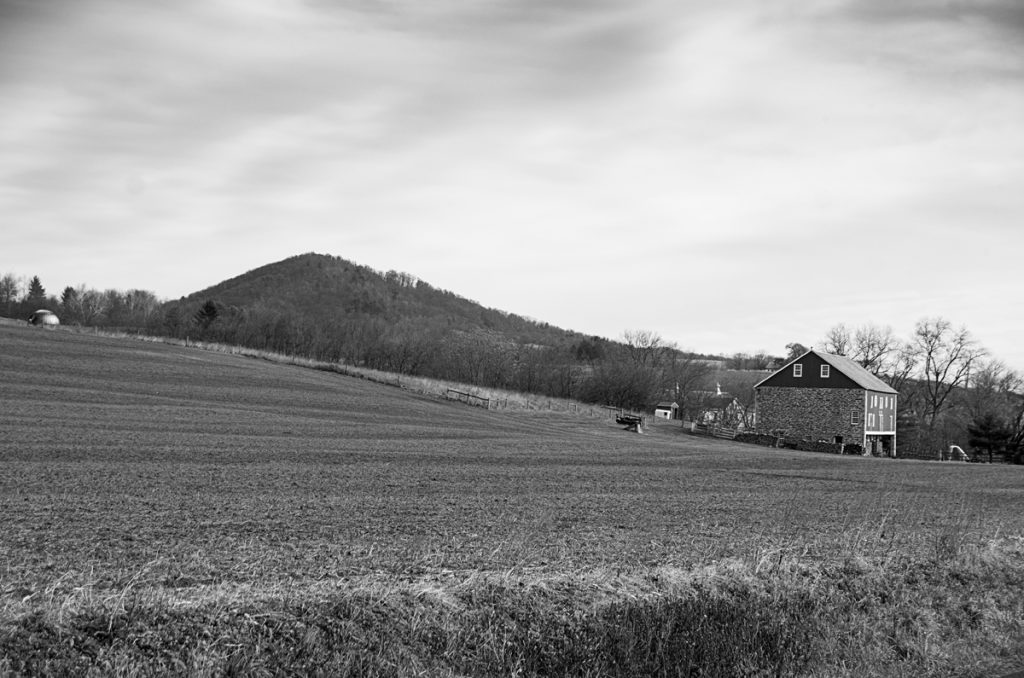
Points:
(206, 314)
(988, 433)
(70, 305)
(36, 292)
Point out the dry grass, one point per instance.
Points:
(855, 617)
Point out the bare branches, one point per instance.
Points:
(946, 355)
(837, 340)
(874, 347)
(646, 348)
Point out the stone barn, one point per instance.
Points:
(44, 317)
(821, 396)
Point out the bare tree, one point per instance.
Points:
(686, 376)
(646, 359)
(874, 347)
(837, 340)
(646, 349)
(92, 305)
(747, 361)
(992, 388)
(901, 367)
(946, 355)
(140, 306)
(10, 292)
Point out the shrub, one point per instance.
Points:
(765, 439)
(819, 446)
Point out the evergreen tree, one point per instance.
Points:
(988, 433)
(206, 314)
(36, 293)
(70, 305)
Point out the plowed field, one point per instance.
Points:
(127, 461)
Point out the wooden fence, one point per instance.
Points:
(713, 430)
(468, 398)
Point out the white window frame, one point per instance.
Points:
(871, 420)
(798, 369)
(855, 417)
(825, 370)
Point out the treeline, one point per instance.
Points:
(633, 373)
(135, 309)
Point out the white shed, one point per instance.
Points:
(666, 410)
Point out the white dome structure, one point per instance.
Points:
(44, 317)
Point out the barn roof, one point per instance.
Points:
(856, 371)
(852, 369)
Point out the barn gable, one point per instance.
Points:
(816, 369)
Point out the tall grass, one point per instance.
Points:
(925, 615)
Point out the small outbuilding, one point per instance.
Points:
(44, 317)
(666, 410)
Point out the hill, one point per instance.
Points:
(330, 309)
(327, 289)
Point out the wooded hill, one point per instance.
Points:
(328, 308)
(322, 288)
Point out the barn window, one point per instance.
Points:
(824, 371)
(798, 370)
(855, 417)
(871, 420)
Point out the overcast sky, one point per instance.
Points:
(733, 175)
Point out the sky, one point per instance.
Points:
(733, 176)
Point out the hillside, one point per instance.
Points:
(329, 289)
(330, 309)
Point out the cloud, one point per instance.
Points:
(1002, 14)
(557, 154)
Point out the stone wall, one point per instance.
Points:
(818, 413)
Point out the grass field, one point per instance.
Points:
(236, 499)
